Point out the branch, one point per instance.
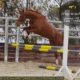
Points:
(57, 2)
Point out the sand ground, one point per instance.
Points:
(28, 68)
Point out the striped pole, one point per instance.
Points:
(35, 46)
(38, 48)
(43, 48)
(54, 68)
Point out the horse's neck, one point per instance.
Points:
(33, 15)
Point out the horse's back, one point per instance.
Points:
(46, 30)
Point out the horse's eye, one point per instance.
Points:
(21, 16)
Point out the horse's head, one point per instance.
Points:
(21, 18)
(30, 14)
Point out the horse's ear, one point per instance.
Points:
(21, 11)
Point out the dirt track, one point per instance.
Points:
(28, 68)
(29, 64)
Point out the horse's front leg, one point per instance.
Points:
(26, 28)
(34, 31)
(25, 32)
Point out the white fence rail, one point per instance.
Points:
(55, 22)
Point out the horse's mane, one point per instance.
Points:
(36, 12)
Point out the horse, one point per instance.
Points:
(40, 26)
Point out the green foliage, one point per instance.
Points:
(72, 41)
(34, 40)
(26, 41)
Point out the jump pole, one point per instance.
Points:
(33, 47)
(17, 48)
(6, 40)
(64, 69)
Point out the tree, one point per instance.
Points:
(9, 8)
(60, 3)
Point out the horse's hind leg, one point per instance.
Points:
(56, 57)
(55, 54)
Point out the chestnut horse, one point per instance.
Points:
(39, 25)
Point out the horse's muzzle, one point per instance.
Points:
(17, 24)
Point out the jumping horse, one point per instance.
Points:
(39, 25)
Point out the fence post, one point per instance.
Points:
(64, 69)
(6, 40)
(17, 48)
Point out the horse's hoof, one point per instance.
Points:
(57, 62)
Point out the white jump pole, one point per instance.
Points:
(17, 48)
(6, 40)
(77, 74)
(64, 69)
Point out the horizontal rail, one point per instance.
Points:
(10, 26)
(35, 46)
(74, 30)
(62, 29)
(10, 34)
(74, 37)
(8, 18)
(2, 26)
(35, 35)
(11, 18)
(56, 22)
